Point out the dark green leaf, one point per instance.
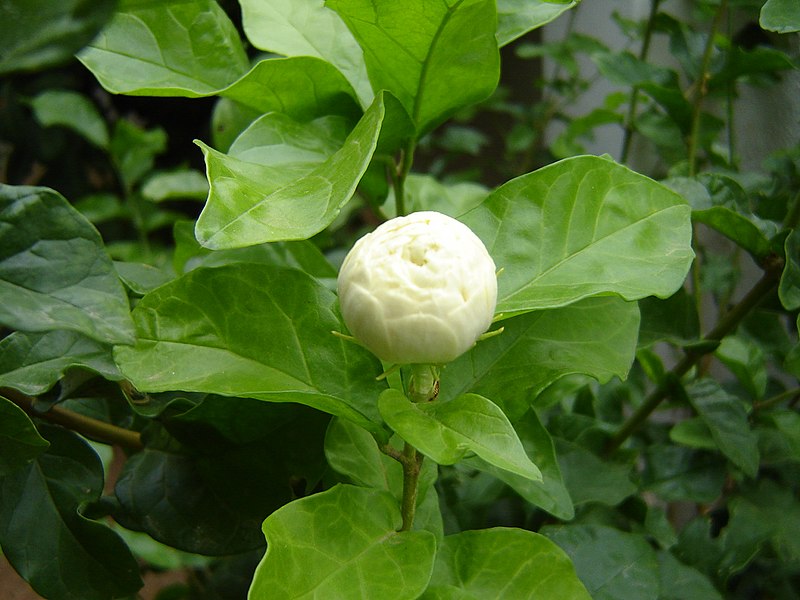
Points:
(445, 430)
(789, 287)
(434, 57)
(307, 28)
(517, 17)
(343, 543)
(591, 479)
(170, 48)
(611, 564)
(502, 563)
(693, 433)
(675, 473)
(54, 272)
(20, 442)
(550, 493)
(582, 227)
(254, 331)
(726, 418)
(596, 337)
(33, 362)
(673, 320)
(746, 360)
(44, 534)
(140, 278)
(781, 439)
(38, 34)
(782, 16)
(251, 203)
(679, 581)
(73, 110)
(133, 150)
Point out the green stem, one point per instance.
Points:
(701, 88)
(412, 464)
(777, 399)
(692, 356)
(633, 105)
(94, 429)
(399, 177)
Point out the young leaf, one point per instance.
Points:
(726, 417)
(611, 564)
(782, 16)
(73, 110)
(434, 57)
(503, 563)
(582, 227)
(515, 18)
(550, 493)
(33, 362)
(171, 48)
(307, 28)
(342, 543)
(38, 34)
(20, 442)
(251, 204)
(54, 271)
(45, 536)
(255, 331)
(446, 430)
(596, 337)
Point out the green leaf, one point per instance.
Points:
(582, 227)
(673, 319)
(434, 57)
(38, 34)
(611, 564)
(674, 473)
(780, 439)
(133, 150)
(591, 479)
(349, 536)
(307, 28)
(170, 48)
(502, 563)
(211, 494)
(20, 442)
(251, 204)
(180, 184)
(54, 271)
(550, 493)
(746, 360)
(679, 581)
(424, 192)
(517, 17)
(33, 362)
(254, 331)
(693, 433)
(140, 278)
(445, 430)
(782, 16)
(789, 287)
(726, 417)
(45, 536)
(596, 337)
(73, 110)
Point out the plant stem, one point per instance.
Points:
(94, 429)
(412, 464)
(777, 399)
(634, 102)
(399, 177)
(701, 88)
(727, 323)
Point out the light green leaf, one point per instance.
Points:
(445, 430)
(693, 433)
(517, 17)
(746, 360)
(342, 543)
(726, 417)
(424, 192)
(307, 28)
(38, 34)
(582, 227)
(170, 48)
(254, 331)
(41, 519)
(73, 110)
(789, 287)
(434, 57)
(181, 184)
(550, 493)
(54, 271)
(611, 564)
(20, 442)
(33, 362)
(596, 337)
(251, 204)
(502, 563)
(140, 278)
(782, 16)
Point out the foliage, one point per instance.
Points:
(173, 391)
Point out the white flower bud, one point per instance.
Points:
(418, 289)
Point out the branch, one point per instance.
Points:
(94, 429)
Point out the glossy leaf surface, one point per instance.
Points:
(20, 442)
(517, 17)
